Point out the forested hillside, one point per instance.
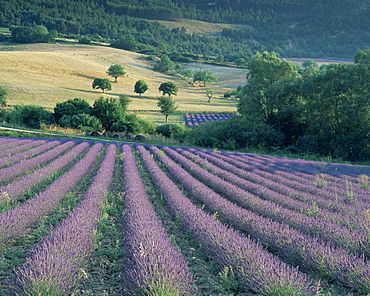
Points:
(292, 28)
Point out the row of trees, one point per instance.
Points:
(323, 111)
(291, 28)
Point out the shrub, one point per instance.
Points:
(170, 129)
(236, 133)
(30, 116)
(85, 122)
(71, 107)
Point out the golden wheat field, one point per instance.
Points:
(45, 74)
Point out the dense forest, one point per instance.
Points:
(322, 111)
(291, 28)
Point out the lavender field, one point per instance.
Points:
(192, 120)
(97, 218)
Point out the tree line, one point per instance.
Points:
(315, 29)
(323, 111)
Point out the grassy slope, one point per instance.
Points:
(45, 74)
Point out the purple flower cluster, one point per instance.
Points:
(153, 265)
(298, 248)
(30, 151)
(16, 221)
(255, 199)
(192, 120)
(26, 182)
(294, 173)
(28, 145)
(316, 201)
(32, 163)
(255, 268)
(54, 266)
(15, 144)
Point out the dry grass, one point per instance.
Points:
(202, 28)
(45, 74)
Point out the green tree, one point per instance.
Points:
(264, 70)
(85, 122)
(240, 61)
(204, 77)
(116, 71)
(140, 87)
(3, 93)
(338, 110)
(167, 106)
(71, 107)
(307, 63)
(101, 83)
(109, 111)
(187, 73)
(27, 34)
(169, 88)
(127, 42)
(210, 93)
(165, 64)
(30, 116)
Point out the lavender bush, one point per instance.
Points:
(299, 249)
(30, 151)
(153, 264)
(26, 182)
(54, 266)
(352, 240)
(32, 163)
(255, 268)
(16, 221)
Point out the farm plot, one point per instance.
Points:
(192, 120)
(167, 220)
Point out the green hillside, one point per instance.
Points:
(292, 28)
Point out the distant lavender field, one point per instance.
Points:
(192, 120)
(278, 226)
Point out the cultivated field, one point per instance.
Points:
(118, 219)
(45, 74)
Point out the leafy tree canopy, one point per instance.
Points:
(204, 77)
(26, 34)
(165, 64)
(168, 88)
(110, 110)
(101, 83)
(71, 107)
(116, 71)
(167, 106)
(140, 87)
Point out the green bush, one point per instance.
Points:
(71, 107)
(85, 122)
(170, 129)
(134, 125)
(235, 133)
(30, 116)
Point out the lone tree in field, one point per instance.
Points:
(209, 93)
(116, 71)
(204, 76)
(140, 87)
(169, 88)
(101, 83)
(167, 106)
(165, 64)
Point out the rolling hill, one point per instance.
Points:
(45, 74)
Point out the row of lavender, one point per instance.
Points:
(335, 248)
(153, 265)
(192, 120)
(257, 196)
